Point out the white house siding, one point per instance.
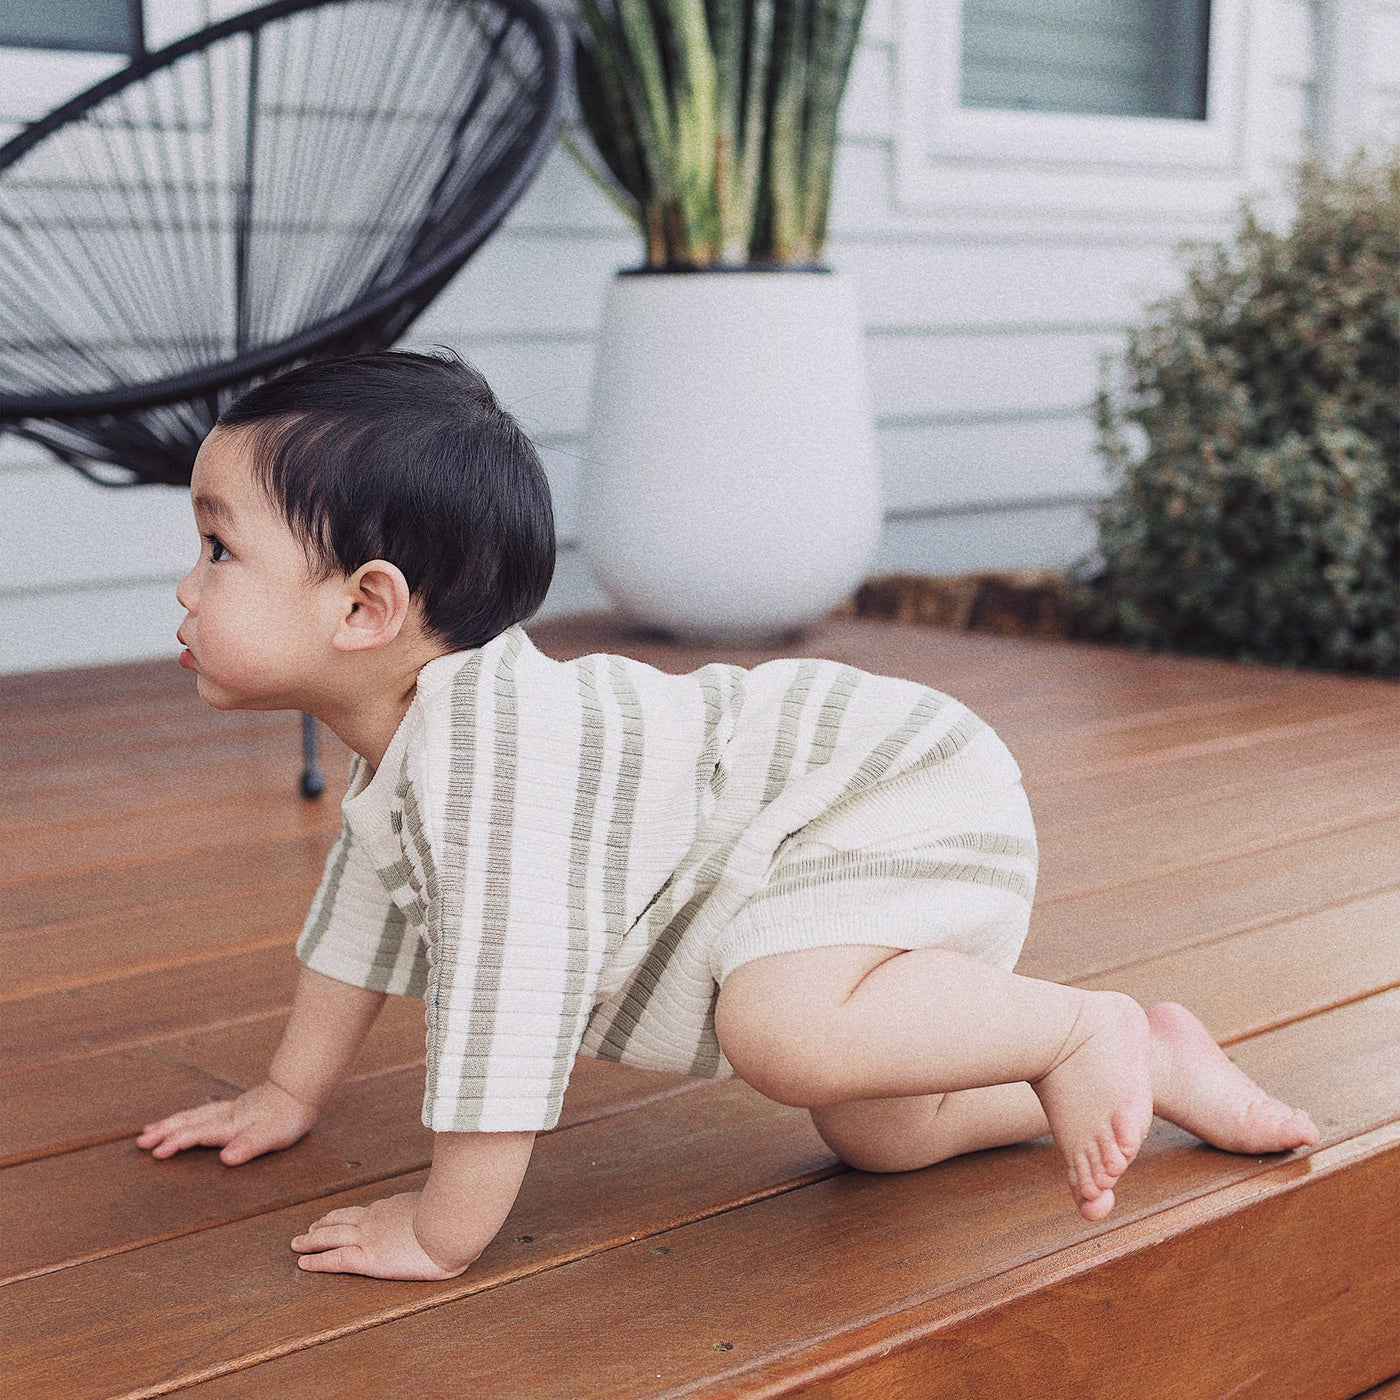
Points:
(990, 287)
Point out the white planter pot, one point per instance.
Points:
(731, 483)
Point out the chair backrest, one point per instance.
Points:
(297, 181)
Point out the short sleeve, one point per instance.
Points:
(355, 933)
(532, 874)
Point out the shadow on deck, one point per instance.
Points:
(1220, 835)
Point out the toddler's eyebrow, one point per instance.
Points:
(215, 508)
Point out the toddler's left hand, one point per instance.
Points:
(376, 1240)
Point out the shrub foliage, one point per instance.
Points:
(1254, 442)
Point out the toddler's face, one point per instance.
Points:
(258, 630)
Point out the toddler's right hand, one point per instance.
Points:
(260, 1120)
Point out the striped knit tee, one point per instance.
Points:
(548, 851)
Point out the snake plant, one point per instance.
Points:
(715, 121)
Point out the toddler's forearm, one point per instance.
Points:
(469, 1192)
(328, 1024)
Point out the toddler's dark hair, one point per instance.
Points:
(407, 457)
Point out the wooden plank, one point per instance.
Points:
(82, 773)
(52, 1110)
(1259, 758)
(122, 1012)
(154, 933)
(1328, 1242)
(82, 683)
(172, 732)
(106, 788)
(774, 1284)
(1266, 977)
(243, 866)
(107, 1199)
(110, 1095)
(169, 1310)
(1119, 849)
(1131, 734)
(194, 827)
(1083, 935)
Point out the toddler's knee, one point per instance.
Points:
(785, 1058)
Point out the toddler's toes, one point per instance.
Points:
(1099, 1207)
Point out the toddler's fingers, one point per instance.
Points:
(198, 1135)
(321, 1237)
(185, 1118)
(348, 1259)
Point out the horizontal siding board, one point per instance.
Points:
(519, 286)
(1045, 537)
(34, 82)
(958, 285)
(989, 462)
(959, 375)
(58, 529)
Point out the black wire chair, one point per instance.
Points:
(296, 182)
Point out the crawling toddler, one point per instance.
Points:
(814, 877)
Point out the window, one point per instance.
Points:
(1113, 109)
(1128, 58)
(91, 26)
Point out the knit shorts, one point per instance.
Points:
(906, 864)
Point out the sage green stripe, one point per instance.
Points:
(882, 757)
(592, 746)
(991, 843)
(396, 876)
(495, 902)
(789, 724)
(705, 1064)
(418, 838)
(710, 772)
(832, 715)
(643, 983)
(319, 919)
(386, 952)
(825, 870)
(622, 832)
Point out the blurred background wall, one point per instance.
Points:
(1006, 201)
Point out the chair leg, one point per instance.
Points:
(313, 784)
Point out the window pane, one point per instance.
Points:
(97, 26)
(1130, 58)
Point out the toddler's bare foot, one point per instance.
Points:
(1197, 1087)
(1098, 1097)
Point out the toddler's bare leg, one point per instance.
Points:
(849, 1031)
(829, 1025)
(898, 1135)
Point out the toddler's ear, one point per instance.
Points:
(375, 603)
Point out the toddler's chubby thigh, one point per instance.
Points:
(932, 859)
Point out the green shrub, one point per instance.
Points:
(1256, 508)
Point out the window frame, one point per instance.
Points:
(134, 50)
(936, 130)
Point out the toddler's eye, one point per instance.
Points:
(215, 545)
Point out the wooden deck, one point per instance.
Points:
(1225, 836)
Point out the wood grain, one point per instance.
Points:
(1223, 835)
(176, 1309)
(752, 1301)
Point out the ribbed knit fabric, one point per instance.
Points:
(567, 857)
